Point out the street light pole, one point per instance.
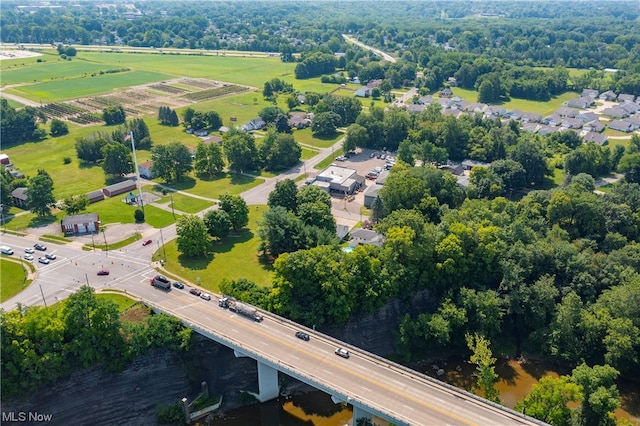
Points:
(106, 246)
(43, 299)
(164, 251)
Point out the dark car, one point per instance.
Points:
(40, 247)
(103, 272)
(161, 278)
(146, 243)
(195, 291)
(303, 336)
(342, 352)
(178, 284)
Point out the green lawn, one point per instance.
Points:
(86, 86)
(543, 108)
(51, 69)
(214, 187)
(304, 136)
(187, 204)
(121, 300)
(12, 278)
(236, 257)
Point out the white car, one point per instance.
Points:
(50, 256)
(205, 296)
(43, 260)
(28, 257)
(29, 250)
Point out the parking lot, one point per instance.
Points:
(363, 162)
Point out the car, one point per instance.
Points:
(303, 336)
(103, 272)
(43, 260)
(40, 247)
(383, 156)
(146, 242)
(372, 175)
(205, 296)
(195, 291)
(342, 352)
(29, 250)
(178, 284)
(28, 257)
(373, 154)
(50, 256)
(161, 278)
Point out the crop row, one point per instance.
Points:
(214, 93)
(59, 110)
(202, 84)
(166, 88)
(85, 118)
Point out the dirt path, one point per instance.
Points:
(24, 101)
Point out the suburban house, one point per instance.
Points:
(572, 123)
(594, 126)
(547, 130)
(615, 112)
(366, 236)
(415, 108)
(621, 125)
(590, 93)
(119, 188)
(630, 107)
(625, 97)
(255, 124)
(582, 103)
(566, 112)
(145, 169)
(475, 107)
(553, 120)
(635, 121)
(425, 100)
(493, 111)
(470, 164)
(200, 132)
(20, 197)
(374, 83)
(4, 159)
(363, 92)
(452, 112)
(341, 180)
(371, 194)
(80, 223)
(95, 196)
(299, 120)
(446, 93)
(597, 138)
(587, 116)
(530, 117)
(530, 127)
(609, 95)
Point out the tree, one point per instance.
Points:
(58, 128)
(280, 231)
(114, 114)
(236, 208)
(171, 162)
(285, 195)
(209, 160)
(356, 137)
(630, 166)
(510, 172)
(218, 223)
(240, 149)
(278, 150)
(312, 194)
(5, 189)
(193, 239)
(89, 149)
(40, 193)
(485, 366)
(325, 124)
(548, 401)
(317, 214)
(75, 205)
(601, 396)
(486, 92)
(117, 159)
(532, 159)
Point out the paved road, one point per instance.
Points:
(378, 52)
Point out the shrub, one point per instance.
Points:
(139, 215)
(67, 160)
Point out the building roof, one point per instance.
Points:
(121, 186)
(20, 193)
(80, 218)
(336, 174)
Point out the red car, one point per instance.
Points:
(146, 243)
(103, 272)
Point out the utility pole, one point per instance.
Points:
(137, 171)
(164, 251)
(106, 246)
(42, 293)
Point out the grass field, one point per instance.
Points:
(52, 70)
(187, 204)
(212, 188)
(236, 257)
(121, 300)
(13, 278)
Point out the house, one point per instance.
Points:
(609, 95)
(587, 116)
(425, 100)
(415, 108)
(566, 112)
(475, 107)
(470, 164)
(597, 138)
(581, 103)
(255, 124)
(80, 224)
(95, 196)
(299, 120)
(342, 231)
(635, 121)
(621, 125)
(530, 117)
(547, 130)
(615, 112)
(119, 188)
(452, 112)
(572, 123)
(374, 83)
(4, 159)
(455, 169)
(590, 93)
(630, 107)
(145, 169)
(371, 194)
(552, 120)
(200, 132)
(594, 126)
(20, 197)
(363, 92)
(223, 130)
(446, 93)
(530, 127)
(493, 111)
(445, 102)
(452, 81)
(366, 236)
(625, 97)
(514, 114)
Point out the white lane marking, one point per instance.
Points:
(293, 356)
(328, 372)
(367, 389)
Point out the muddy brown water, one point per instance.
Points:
(316, 408)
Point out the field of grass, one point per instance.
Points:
(212, 188)
(304, 136)
(86, 86)
(543, 108)
(121, 300)
(187, 204)
(13, 278)
(236, 257)
(52, 70)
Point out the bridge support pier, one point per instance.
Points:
(359, 413)
(267, 382)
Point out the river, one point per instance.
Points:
(316, 408)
